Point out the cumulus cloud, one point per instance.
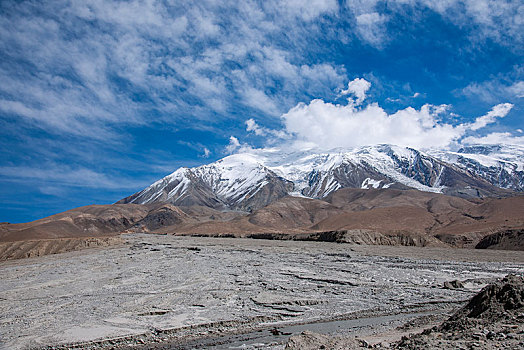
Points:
(251, 125)
(235, 146)
(358, 88)
(326, 125)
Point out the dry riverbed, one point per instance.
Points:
(190, 292)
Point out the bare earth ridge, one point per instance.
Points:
(372, 216)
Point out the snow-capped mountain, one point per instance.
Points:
(252, 180)
(239, 181)
(501, 165)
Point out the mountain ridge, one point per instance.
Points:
(248, 181)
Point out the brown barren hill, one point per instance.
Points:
(40, 247)
(84, 227)
(88, 221)
(375, 216)
(363, 216)
(293, 212)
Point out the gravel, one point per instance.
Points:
(156, 290)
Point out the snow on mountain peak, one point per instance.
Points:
(255, 178)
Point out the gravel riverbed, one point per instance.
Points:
(190, 292)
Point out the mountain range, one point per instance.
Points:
(380, 194)
(249, 181)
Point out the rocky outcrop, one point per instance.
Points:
(492, 319)
(506, 239)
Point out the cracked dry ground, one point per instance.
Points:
(187, 292)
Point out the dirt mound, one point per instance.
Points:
(492, 319)
(160, 217)
(496, 302)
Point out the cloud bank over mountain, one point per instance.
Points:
(324, 125)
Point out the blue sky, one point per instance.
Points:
(98, 98)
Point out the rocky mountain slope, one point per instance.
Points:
(240, 181)
(253, 180)
(500, 165)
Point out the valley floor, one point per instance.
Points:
(190, 292)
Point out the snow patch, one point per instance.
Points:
(369, 182)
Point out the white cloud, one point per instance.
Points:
(357, 87)
(495, 138)
(325, 125)
(307, 10)
(67, 176)
(233, 146)
(370, 27)
(207, 152)
(369, 24)
(499, 111)
(517, 89)
(495, 89)
(251, 125)
(259, 100)
(91, 59)
(500, 21)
